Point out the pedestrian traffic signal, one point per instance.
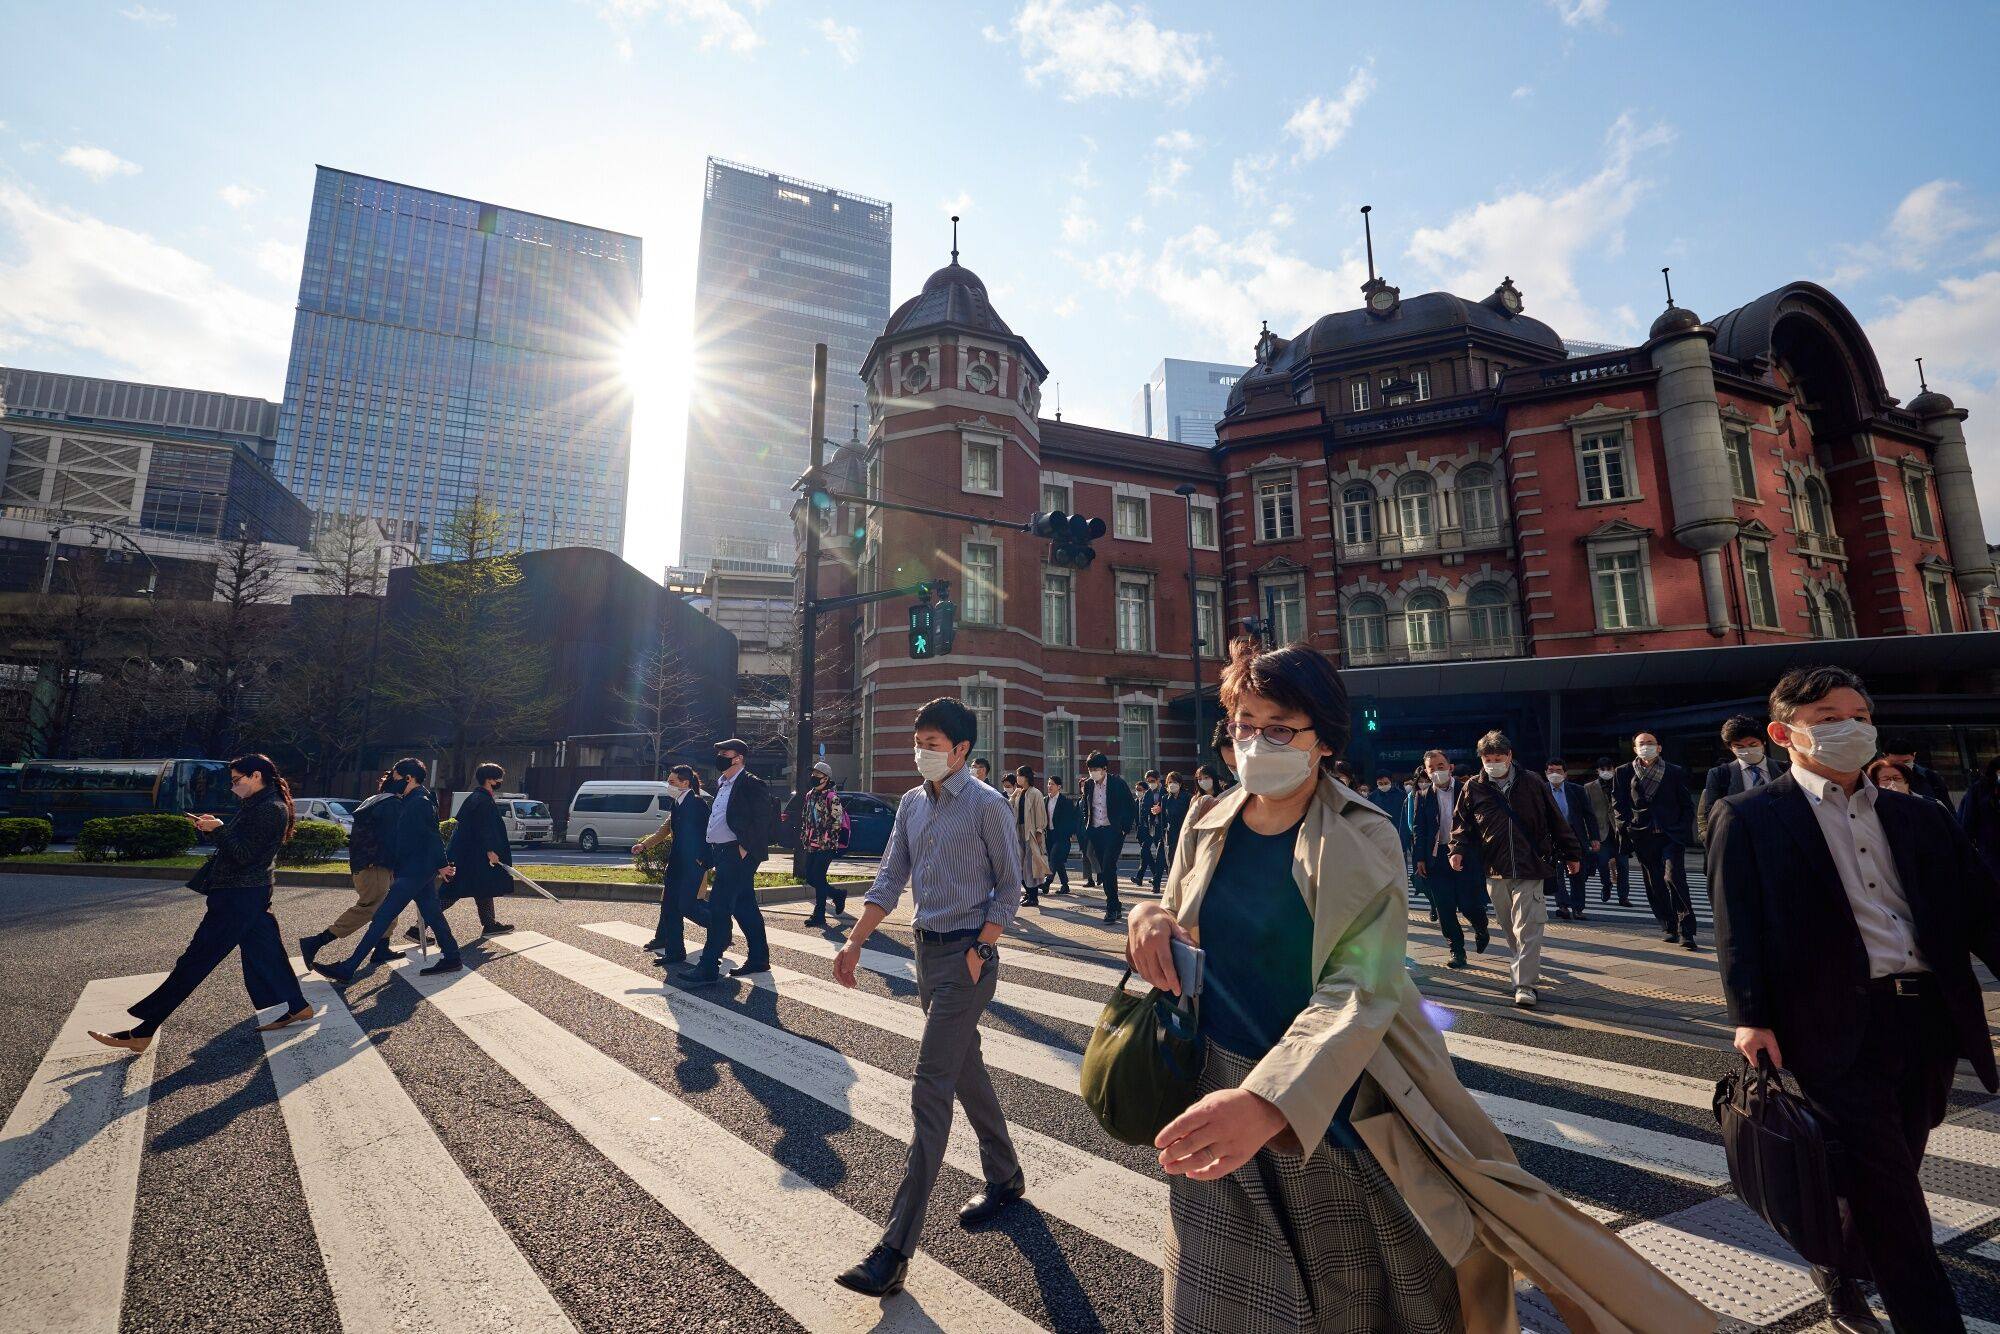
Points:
(1070, 536)
(944, 621)
(921, 644)
(1370, 722)
(933, 620)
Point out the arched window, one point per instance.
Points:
(1478, 503)
(1416, 510)
(1425, 626)
(1840, 616)
(1815, 612)
(1818, 509)
(1357, 515)
(1489, 619)
(1367, 629)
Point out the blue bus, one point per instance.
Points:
(68, 792)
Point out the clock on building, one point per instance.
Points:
(1381, 298)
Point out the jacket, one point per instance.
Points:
(1366, 1023)
(1582, 819)
(1031, 819)
(1791, 956)
(481, 829)
(372, 841)
(1067, 819)
(1119, 806)
(750, 815)
(419, 846)
(688, 825)
(1520, 833)
(823, 822)
(1603, 810)
(1152, 803)
(1430, 839)
(246, 848)
(1175, 806)
(1979, 813)
(1726, 780)
(1669, 811)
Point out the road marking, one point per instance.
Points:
(1053, 1004)
(1107, 1200)
(784, 1235)
(69, 1171)
(408, 1242)
(1548, 1063)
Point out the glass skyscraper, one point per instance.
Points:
(445, 348)
(1184, 400)
(784, 264)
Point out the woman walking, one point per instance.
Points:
(237, 881)
(824, 831)
(480, 851)
(685, 826)
(1031, 822)
(1328, 1109)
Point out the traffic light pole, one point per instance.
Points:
(808, 649)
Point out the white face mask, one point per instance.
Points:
(1751, 754)
(1558, 779)
(1496, 768)
(1649, 752)
(1272, 771)
(1173, 789)
(1440, 778)
(1207, 784)
(675, 791)
(1607, 774)
(1842, 746)
(933, 765)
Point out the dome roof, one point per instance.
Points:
(953, 295)
(1930, 403)
(1674, 320)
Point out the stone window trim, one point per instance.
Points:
(1068, 577)
(1756, 539)
(1284, 578)
(1207, 503)
(1605, 421)
(1357, 394)
(1618, 537)
(971, 440)
(1916, 475)
(1132, 491)
(1122, 575)
(993, 747)
(1065, 483)
(1217, 647)
(1062, 716)
(1735, 429)
(1258, 478)
(1936, 577)
(1138, 699)
(962, 595)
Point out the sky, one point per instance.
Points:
(1136, 182)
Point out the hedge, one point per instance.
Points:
(446, 828)
(312, 841)
(131, 838)
(20, 836)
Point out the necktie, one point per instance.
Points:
(1756, 775)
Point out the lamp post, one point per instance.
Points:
(1186, 491)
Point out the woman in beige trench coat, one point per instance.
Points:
(1363, 1030)
(1031, 819)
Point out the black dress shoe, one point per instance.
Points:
(697, 977)
(1672, 938)
(1480, 940)
(1113, 917)
(1689, 944)
(1562, 914)
(383, 954)
(1457, 960)
(414, 933)
(442, 966)
(1846, 1308)
(495, 928)
(990, 1203)
(817, 919)
(333, 972)
(880, 1273)
(670, 960)
(1578, 915)
(747, 967)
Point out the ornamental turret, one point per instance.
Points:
(1698, 477)
(1965, 534)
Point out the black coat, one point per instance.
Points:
(1582, 820)
(419, 846)
(1066, 820)
(1726, 780)
(1669, 812)
(1979, 812)
(246, 848)
(750, 815)
(372, 840)
(1119, 805)
(1431, 844)
(689, 822)
(481, 829)
(1792, 958)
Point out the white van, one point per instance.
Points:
(611, 814)
(527, 820)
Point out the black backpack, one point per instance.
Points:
(370, 842)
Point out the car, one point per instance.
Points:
(335, 810)
(869, 822)
(527, 820)
(607, 813)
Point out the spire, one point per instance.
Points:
(1377, 296)
(1058, 400)
(1667, 276)
(1368, 235)
(1922, 383)
(854, 435)
(954, 238)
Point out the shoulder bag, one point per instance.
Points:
(1780, 1160)
(1144, 1058)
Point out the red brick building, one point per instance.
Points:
(1432, 483)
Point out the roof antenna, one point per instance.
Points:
(1666, 274)
(1058, 400)
(854, 436)
(1922, 383)
(954, 238)
(1368, 234)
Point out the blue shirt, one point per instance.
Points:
(959, 854)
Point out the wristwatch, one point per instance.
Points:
(987, 952)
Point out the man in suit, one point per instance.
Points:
(1177, 798)
(480, 851)
(1609, 859)
(1656, 812)
(1152, 828)
(418, 860)
(1846, 920)
(1109, 812)
(1924, 782)
(1747, 767)
(738, 838)
(1568, 888)
(686, 825)
(1452, 890)
(1065, 825)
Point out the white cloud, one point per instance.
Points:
(1578, 13)
(100, 164)
(239, 196)
(717, 23)
(960, 203)
(1321, 123)
(1064, 308)
(147, 18)
(1084, 178)
(1223, 288)
(1107, 50)
(1136, 224)
(282, 260)
(1170, 164)
(844, 39)
(1955, 328)
(1246, 176)
(83, 285)
(1077, 224)
(1283, 216)
(1523, 91)
(1923, 223)
(1537, 236)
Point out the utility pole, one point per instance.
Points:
(808, 646)
(1186, 491)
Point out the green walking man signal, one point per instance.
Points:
(933, 620)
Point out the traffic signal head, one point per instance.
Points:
(944, 625)
(1070, 536)
(923, 643)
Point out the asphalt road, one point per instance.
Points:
(552, 1140)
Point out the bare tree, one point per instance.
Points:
(235, 641)
(659, 698)
(319, 695)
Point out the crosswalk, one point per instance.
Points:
(783, 1170)
(1635, 890)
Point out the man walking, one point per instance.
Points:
(1152, 829)
(371, 862)
(1846, 918)
(954, 844)
(1656, 811)
(1108, 815)
(480, 852)
(418, 856)
(1570, 888)
(686, 826)
(738, 839)
(1924, 781)
(1609, 858)
(1065, 825)
(1746, 768)
(1523, 840)
(1453, 885)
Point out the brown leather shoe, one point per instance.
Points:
(122, 1041)
(298, 1016)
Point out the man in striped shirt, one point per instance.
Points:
(955, 845)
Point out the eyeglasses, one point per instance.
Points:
(1277, 733)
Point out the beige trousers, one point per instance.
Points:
(1524, 913)
(369, 887)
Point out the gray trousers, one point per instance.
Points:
(1524, 916)
(948, 1066)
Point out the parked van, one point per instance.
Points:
(527, 820)
(613, 814)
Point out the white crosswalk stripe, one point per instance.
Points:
(411, 1237)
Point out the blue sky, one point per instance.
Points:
(1136, 182)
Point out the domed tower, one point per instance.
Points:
(1965, 534)
(1698, 480)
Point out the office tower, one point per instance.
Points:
(446, 348)
(784, 264)
(1184, 400)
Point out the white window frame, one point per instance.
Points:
(1357, 394)
(1378, 618)
(1149, 719)
(1213, 630)
(1421, 378)
(1288, 479)
(1068, 628)
(1491, 486)
(971, 441)
(1120, 579)
(1205, 506)
(1639, 548)
(1293, 582)
(1120, 499)
(988, 744)
(1365, 510)
(1414, 539)
(1937, 599)
(1059, 758)
(1068, 496)
(1582, 437)
(1767, 593)
(967, 614)
(1742, 448)
(1917, 497)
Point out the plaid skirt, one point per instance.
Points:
(1287, 1245)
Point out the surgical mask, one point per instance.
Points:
(1496, 768)
(1751, 754)
(1557, 777)
(1440, 778)
(1894, 785)
(723, 759)
(1097, 775)
(1173, 789)
(1207, 784)
(933, 765)
(1607, 774)
(1842, 746)
(1269, 770)
(1381, 787)
(1649, 752)
(676, 792)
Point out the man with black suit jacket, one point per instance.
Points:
(1065, 825)
(1609, 859)
(1746, 768)
(1568, 888)
(1924, 782)
(1656, 811)
(1453, 893)
(1109, 813)
(1846, 920)
(738, 839)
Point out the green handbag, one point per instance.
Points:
(1144, 1058)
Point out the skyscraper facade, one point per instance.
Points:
(1184, 400)
(445, 349)
(784, 264)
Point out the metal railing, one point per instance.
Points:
(1390, 546)
(1824, 544)
(1461, 634)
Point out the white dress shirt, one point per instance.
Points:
(1444, 795)
(1867, 868)
(718, 814)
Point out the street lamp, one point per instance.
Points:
(1186, 491)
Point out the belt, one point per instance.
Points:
(947, 937)
(1903, 984)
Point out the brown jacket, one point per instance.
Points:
(1529, 845)
(1489, 1218)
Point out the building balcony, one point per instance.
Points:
(1460, 634)
(1822, 544)
(1395, 546)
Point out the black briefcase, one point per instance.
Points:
(1781, 1160)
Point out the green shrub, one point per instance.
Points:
(312, 841)
(131, 838)
(20, 836)
(652, 863)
